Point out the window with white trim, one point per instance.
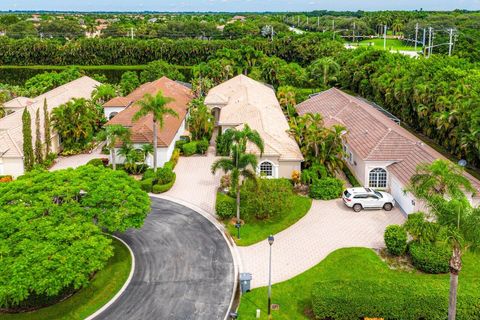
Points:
(377, 178)
(113, 114)
(266, 169)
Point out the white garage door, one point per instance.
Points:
(404, 200)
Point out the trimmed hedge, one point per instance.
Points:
(96, 162)
(146, 184)
(202, 146)
(225, 206)
(164, 175)
(390, 299)
(326, 189)
(395, 238)
(429, 257)
(189, 148)
(351, 178)
(160, 188)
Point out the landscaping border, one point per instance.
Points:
(231, 244)
(124, 287)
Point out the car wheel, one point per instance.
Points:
(357, 207)
(387, 206)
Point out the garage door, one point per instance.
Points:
(403, 200)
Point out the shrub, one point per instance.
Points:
(326, 189)
(189, 148)
(429, 258)
(146, 185)
(179, 144)
(396, 240)
(350, 177)
(175, 156)
(148, 174)
(96, 162)
(222, 144)
(6, 178)
(160, 188)
(169, 165)
(202, 146)
(225, 206)
(164, 175)
(388, 299)
(266, 199)
(420, 229)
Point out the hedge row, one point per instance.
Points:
(356, 299)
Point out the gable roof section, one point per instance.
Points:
(11, 125)
(142, 130)
(246, 101)
(372, 135)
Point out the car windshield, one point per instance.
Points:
(378, 194)
(347, 194)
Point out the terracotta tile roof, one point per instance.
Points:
(142, 129)
(372, 135)
(245, 101)
(118, 102)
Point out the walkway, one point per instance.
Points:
(77, 160)
(328, 226)
(184, 268)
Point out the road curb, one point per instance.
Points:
(231, 244)
(124, 287)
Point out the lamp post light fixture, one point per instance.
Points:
(270, 242)
(238, 225)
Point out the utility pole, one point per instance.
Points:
(307, 21)
(131, 33)
(333, 29)
(272, 34)
(429, 41)
(423, 42)
(450, 44)
(385, 37)
(318, 22)
(416, 36)
(298, 21)
(353, 32)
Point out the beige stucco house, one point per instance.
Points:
(380, 153)
(11, 136)
(241, 101)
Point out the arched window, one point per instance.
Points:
(266, 169)
(113, 114)
(377, 178)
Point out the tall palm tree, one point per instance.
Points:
(326, 69)
(240, 164)
(147, 149)
(111, 135)
(157, 106)
(442, 185)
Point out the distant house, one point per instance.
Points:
(381, 153)
(241, 101)
(11, 137)
(122, 110)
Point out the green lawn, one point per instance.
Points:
(85, 302)
(254, 231)
(392, 44)
(293, 296)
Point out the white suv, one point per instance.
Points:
(366, 198)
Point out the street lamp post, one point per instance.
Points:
(270, 242)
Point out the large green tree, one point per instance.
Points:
(200, 121)
(28, 157)
(240, 164)
(54, 224)
(156, 106)
(444, 188)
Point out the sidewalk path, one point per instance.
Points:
(77, 160)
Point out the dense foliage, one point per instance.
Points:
(395, 238)
(28, 158)
(429, 257)
(51, 236)
(326, 188)
(224, 206)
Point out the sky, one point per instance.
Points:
(236, 5)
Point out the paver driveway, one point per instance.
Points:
(328, 226)
(184, 268)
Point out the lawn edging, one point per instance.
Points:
(230, 243)
(124, 287)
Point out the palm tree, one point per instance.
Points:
(157, 106)
(112, 134)
(442, 185)
(103, 93)
(324, 68)
(240, 163)
(147, 149)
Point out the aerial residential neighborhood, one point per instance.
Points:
(239, 160)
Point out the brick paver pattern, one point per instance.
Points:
(77, 160)
(328, 226)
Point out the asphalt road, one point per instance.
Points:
(184, 269)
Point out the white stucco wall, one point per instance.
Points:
(108, 110)
(11, 166)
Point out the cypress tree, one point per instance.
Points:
(28, 160)
(46, 125)
(38, 139)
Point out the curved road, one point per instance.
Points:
(184, 268)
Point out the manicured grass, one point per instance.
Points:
(392, 44)
(254, 231)
(85, 302)
(294, 295)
